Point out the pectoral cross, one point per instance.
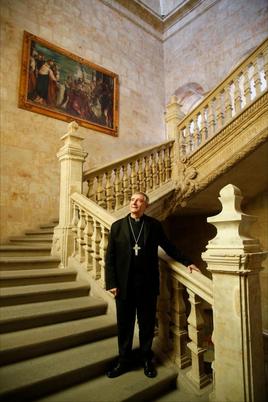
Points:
(136, 248)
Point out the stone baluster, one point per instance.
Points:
(195, 330)
(147, 173)
(196, 134)
(133, 177)
(237, 95)
(265, 65)
(101, 200)
(160, 166)
(88, 232)
(71, 157)
(204, 126)
(74, 229)
(103, 247)
(247, 88)
(125, 184)
(188, 139)
(167, 163)
(163, 310)
(182, 145)
(163, 177)
(179, 326)
(219, 111)
(191, 132)
(257, 77)
(80, 235)
(118, 189)
(96, 239)
(141, 180)
(234, 258)
(154, 171)
(90, 191)
(211, 120)
(227, 104)
(109, 191)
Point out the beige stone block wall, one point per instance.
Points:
(209, 42)
(29, 141)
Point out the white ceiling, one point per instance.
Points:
(162, 7)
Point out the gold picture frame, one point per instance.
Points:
(56, 83)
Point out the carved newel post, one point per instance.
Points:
(235, 262)
(71, 157)
(173, 116)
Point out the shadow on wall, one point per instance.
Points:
(191, 235)
(189, 96)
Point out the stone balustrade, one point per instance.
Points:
(111, 186)
(180, 335)
(243, 86)
(90, 228)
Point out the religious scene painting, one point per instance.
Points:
(59, 84)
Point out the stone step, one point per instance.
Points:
(181, 395)
(40, 232)
(25, 250)
(31, 239)
(49, 225)
(83, 369)
(11, 296)
(29, 343)
(25, 316)
(32, 378)
(132, 387)
(30, 262)
(37, 276)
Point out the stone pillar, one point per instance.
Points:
(71, 157)
(235, 262)
(173, 116)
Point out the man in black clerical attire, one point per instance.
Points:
(132, 276)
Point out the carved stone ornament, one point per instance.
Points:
(186, 184)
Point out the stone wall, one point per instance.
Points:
(30, 141)
(201, 48)
(259, 208)
(205, 45)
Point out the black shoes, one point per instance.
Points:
(149, 369)
(120, 368)
(117, 370)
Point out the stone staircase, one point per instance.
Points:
(57, 340)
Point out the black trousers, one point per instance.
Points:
(143, 306)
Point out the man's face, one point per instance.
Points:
(137, 205)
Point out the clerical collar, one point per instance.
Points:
(140, 219)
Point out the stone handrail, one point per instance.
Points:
(197, 283)
(242, 87)
(112, 185)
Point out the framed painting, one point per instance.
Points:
(59, 84)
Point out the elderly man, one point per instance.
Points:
(132, 276)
